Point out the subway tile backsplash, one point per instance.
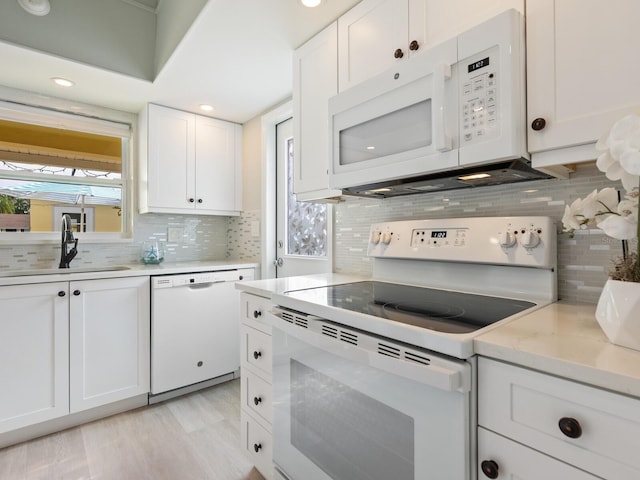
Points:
(583, 261)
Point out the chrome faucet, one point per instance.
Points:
(67, 255)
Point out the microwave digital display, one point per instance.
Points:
(479, 64)
(439, 234)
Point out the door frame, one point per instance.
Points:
(269, 162)
(269, 204)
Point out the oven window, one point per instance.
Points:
(347, 434)
(402, 130)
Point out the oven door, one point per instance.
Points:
(345, 413)
(398, 124)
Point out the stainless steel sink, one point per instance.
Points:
(60, 271)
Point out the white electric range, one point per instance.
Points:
(376, 379)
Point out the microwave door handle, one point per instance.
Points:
(442, 141)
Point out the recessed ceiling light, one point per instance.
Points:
(36, 7)
(63, 82)
(311, 3)
(206, 107)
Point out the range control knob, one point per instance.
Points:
(506, 239)
(529, 239)
(386, 238)
(375, 237)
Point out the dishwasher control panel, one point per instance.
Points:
(182, 280)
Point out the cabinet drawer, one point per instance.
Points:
(253, 310)
(256, 349)
(256, 395)
(515, 461)
(257, 442)
(533, 408)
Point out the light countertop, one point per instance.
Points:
(565, 340)
(560, 339)
(270, 286)
(132, 270)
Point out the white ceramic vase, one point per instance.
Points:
(618, 313)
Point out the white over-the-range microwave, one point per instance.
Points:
(453, 116)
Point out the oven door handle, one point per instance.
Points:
(435, 376)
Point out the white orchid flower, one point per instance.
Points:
(573, 219)
(618, 227)
(620, 159)
(598, 203)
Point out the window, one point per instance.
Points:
(53, 163)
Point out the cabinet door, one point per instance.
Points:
(315, 80)
(368, 36)
(218, 166)
(433, 21)
(513, 461)
(109, 340)
(581, 71)
(34, 362)
(171, 160)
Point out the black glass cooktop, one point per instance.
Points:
(440, 310)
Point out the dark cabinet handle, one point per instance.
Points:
(256, 313)
(398, 53)
(257, 400)
(257, 447)
(489, 468)
(414, 45)
(538, 124)
(200, 363)
(76, 292)
(199, 200)
(570, 427)
(240, 277)
(191, 200)
(61, 293)
(257, 354)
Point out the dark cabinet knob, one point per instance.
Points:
(199, 200)
(398, 53)
(200, 363)
(538, 124)
(570, 427)
(257, 400)
(76, 292)
(257, 354)
(257, 447)
(191, 200)
(62, 293)
(257, 313)
(489, 468)
(240, 277)
(414, 45)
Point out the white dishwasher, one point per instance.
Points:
(195, 333)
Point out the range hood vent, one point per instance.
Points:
(511, 171)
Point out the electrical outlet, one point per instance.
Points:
(175, 234)
(255, 228)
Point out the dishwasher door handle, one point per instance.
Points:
(196, 286)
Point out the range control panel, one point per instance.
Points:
(527, 241)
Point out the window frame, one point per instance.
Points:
(19, 106)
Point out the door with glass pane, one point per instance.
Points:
(303, 234)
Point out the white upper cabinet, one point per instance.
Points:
(189, 163)
(582, 75)
(315, 80)
(375, 34)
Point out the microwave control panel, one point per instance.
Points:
(479, 84)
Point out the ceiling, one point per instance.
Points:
(235, 55)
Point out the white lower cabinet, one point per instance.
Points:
(502, 458)
(66, 347)
(109, 341)
(583, 427)
(256, 388)
(34, 354)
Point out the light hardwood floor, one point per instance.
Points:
(194, 437)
